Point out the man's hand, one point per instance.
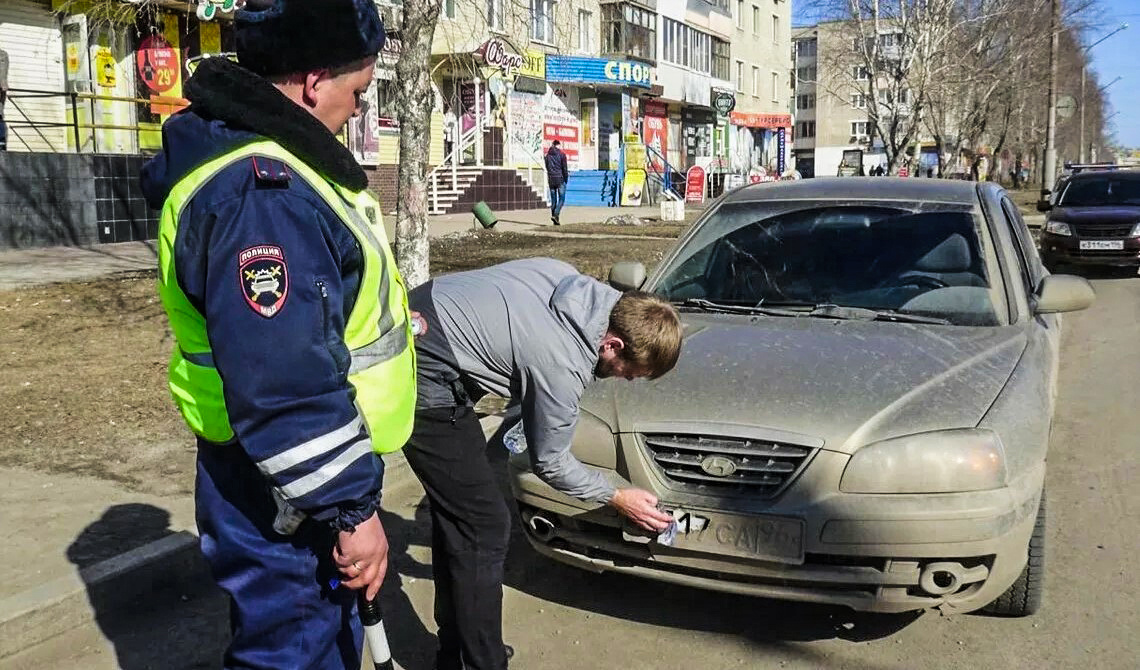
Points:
(640, 506)
(419, 325)
(361, 555)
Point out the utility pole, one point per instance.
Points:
(1049, 169)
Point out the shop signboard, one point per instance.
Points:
(586, 70)
(105, 67)
(158, 64)
(756, 120)
(695, 184)
(655, 129)
(781, 149)
(723, 102)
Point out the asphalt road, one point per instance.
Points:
(559, 618)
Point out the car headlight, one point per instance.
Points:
(1135, 231)
(949, 461)
(1058, 228)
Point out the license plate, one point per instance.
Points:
(769, 538)
(1105, 245)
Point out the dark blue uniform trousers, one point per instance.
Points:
(282, 613)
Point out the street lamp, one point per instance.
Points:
(1084, 71)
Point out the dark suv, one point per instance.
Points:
(1094, 219)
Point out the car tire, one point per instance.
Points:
(1023, 598)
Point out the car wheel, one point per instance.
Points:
(1023, 598)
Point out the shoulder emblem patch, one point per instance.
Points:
(264, 279)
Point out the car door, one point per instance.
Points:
(1043, 330)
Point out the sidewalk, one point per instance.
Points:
(31, 267)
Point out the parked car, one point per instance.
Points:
(1093, 219)
(861, 411)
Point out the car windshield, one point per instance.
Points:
(1101, 190)
(885, 261)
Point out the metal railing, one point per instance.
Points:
(76, 124)
(666, 175)
(469, 139)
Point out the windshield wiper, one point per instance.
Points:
(866, 314)
(822, 311)
(710, 306)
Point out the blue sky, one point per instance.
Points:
(1115, 57)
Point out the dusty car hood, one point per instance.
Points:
(845, 383)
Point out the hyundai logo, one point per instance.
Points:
(718, 466)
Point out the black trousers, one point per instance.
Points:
(471, 528)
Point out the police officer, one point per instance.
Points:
(293, 362)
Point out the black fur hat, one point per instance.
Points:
(277, 37)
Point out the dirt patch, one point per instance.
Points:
(83, 364)
(592, 256)
(654, 229)
(1025, 199)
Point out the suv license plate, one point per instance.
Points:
(1106, 245)
(768, 538)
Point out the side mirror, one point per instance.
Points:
(1043, 204)
(1063, 293)
(627, 275)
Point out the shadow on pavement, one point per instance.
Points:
(182, 623)
(413, 645)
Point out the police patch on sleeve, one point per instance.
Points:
(264, 279)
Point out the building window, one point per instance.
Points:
(740, 14)
(775, 87)
(805, 129)
(449, 9)
(720, 51)
(859, 101)
(542, 21)
(806, 48)
(755, 19)
(858, 129)
(805, 101)
(806, 74)
(740, 76)
(775, 29)
(630, 31)
(688, 47)
(755, 81)
(860, 73)
(586, 31)
(495, 14)
(904, 96)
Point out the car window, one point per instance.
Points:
(1101, 190)
(1024, 245)
(922, 261)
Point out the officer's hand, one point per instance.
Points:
(641, 508)
(361, 555)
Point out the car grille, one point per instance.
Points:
(702, 464)
(1115, 231)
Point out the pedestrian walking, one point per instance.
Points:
(538, 332)
(557, 174)
(277, 279)
(450, 121)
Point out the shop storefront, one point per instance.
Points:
(760, 144)
(593, 103)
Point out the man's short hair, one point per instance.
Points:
(651, 330)
(555, 143)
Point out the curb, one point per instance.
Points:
(56, 607)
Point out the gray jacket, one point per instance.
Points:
(528, 330)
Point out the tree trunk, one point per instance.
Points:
(414, 102)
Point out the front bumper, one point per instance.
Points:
(1065, 249)
(878, 553)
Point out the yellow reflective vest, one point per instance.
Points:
(377, 334)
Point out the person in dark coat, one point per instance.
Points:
(557, 174)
